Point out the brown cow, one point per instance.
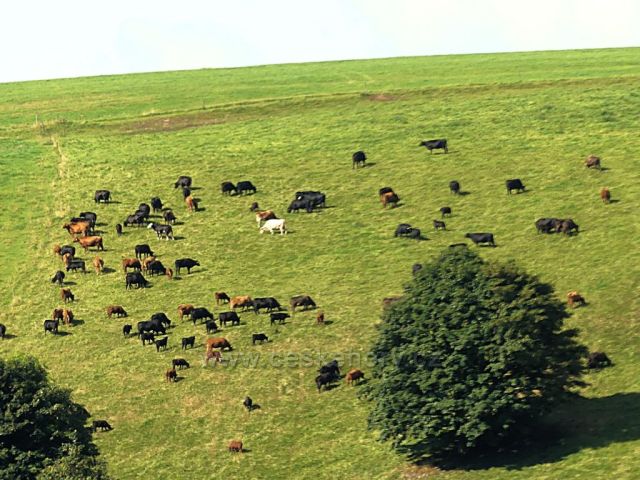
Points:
(218, 342)
(389, 198)
(78, 228)
(131, 263)
(605, 195)
(592, 161)
(68, 317)
(146, 261)
(221, 297)
(574, 298)
(58, 314)
(235, 446)
(191, 203)
(66, 295)
(244, 301)
(212, 354)
(171, 375)
(354, 376)
(185, 310)
(68, 260)
(87, 242)
(169, 273)
(264, 215)
(98, 265)
(320, 318)
(116, 310)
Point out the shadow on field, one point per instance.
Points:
(614, 200)
(61, 333)
(369, 165)
(108, 270)
(581, 423)
(77, 322)
(65, 283)
(8, 336)
(464, 194)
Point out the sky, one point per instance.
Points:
(71, 38)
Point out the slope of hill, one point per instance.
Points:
(533, 116)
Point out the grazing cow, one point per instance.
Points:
(135, 278)
(58, 314)
(73, 264)
(259, 337)
(384, 190)
(209, 354)
(243, 301)
(144, 210)
(191, 203)
(358, 159)
(303, 204)
(3, 331)
(574, 298)
(186, 192)
(268, 303)
(146, 261)
(273, 225)
(143, 251)
(245, 186)
(100, 425)
(389, 198)
(91, 217)
(547, 225)
(388, 301)
(445, 211)
(118, 229)
(264, 215)
(66, 295)
(68, 316)
(200, 313)
(151, 326)
(279, 317)
(232, 317)
(431, 145)
(156, 267)
(324, 379)
(169, 217)
(303, 301)
(354, 376)
(103, 196)
(58, 278)
(330, 368)
(171, 375)
(183, 181)
(402, 230)
(416, 268)
(162, 231)
(235, 446)
(147, 337)
(598, 360)
(320, 318)
(62, 251)
(605, 195)
(228, 188)
(248, 403)
(438, 225)
(221, 297)
(162, 318)
(592, 162)
(318, 199)
(479, 238)
(132, 263)
(180, 362)
(156, 204)
(568, 227)
(415, 233)
(188, 342)
(98, 264)
(187, 263)
(116, 310)
(514, 184)
(126, 330)
(136, 219)
(454, 187)
(79, 228)
(211, 326)
(218, 342)
(51, 326)
(185, 310)
(88, 242)
(254, 207)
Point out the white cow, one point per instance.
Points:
(274, 224)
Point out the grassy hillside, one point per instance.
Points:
(286, 128)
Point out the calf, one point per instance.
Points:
(65, 249)
(188, 342)
(187, 263)
(431, 145)
(358, 158)
(58, 278)
(416, 268)
(279, 317)
(438, 225)
(324, 380)
(116, 310)
(147, 337)
(98, 265)
(235, 446)
(156, 204)
(304, 301)
(228, 188)
(389, 198)
(179, 362)
(73, 264)
(454, 187)
(126, 330)
(320, 318)
(605, 195)
(330, 368)
(51, 326)
(221, 297)
(171, 375)
(103, 196)
(259, 337)
(232, 317)
(592, 162)
(273, 225)
(191, 203)
(245, 186)
(445, 211)
(68, 316)
(211, 326)
(100, 425)
(248, 403)
(118, 229)
(66, 295)
(479, 238)
(3, 331)
(58, 314)
(169, 217)
(354, 376)
(514, 184)
(254, 207)
(574, 299)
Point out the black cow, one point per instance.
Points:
(318, 199)
(70, 249)
(100, 425)
(268, 303)
(156, 204)
(331, 368)
(186, 192)
(156, 268)
(144, 209)
(147, 338)
(136, 219)
(200, 313)
(454, 187)
(228, 188)
(76, 264)
(248, 403)
(183, 181)
(431, 145)
(259, 337)
(162, 318)
(402, 230)
(118, 229)
(232, 317)
(254, 206)
(58, 278)
(358, 159)
(415, 233)
(187, 263)
(296, 205)
(416, 268)
(303, 301)
(143, 251)
(91, 217)
(279, 317)
(598, 360)
(245, 186)
(169, 217)
(51, 326)
(211, 326)
(568, 227)
(135, 278)
(438, 225)
(445, 211)
(384, 190)
(188, 342)
(162, 231)
(161, 344)
(325, 380)
(102, 196)
(180, 363)
(514, 184)
(151, 326)
(547, 225)
(479, 238)
(126, 330)
(3, 331)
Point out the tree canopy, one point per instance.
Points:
(471, 354)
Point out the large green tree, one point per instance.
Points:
(473, 353)
(41, 427)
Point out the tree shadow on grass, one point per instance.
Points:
(581, 423)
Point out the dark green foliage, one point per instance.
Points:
(472, 354)
(39, 423)
(74, 465)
